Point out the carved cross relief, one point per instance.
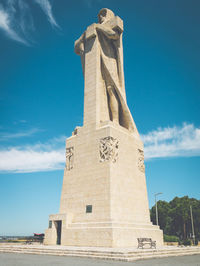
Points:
(108, 148)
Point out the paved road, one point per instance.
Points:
(11, 259)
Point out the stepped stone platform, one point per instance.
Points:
(121, 254)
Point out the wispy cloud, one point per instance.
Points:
(47, 8)
(174, 141)
(90, 3)
(17, 20)
(47, 156)
(5, 25)
(27, 133)
(22, 121)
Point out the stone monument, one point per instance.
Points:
(104, 198)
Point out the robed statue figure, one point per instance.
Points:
(109, 36)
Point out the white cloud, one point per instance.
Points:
(5, 25)
(28, 160)
(16, 18)
(47, 8)
(39, 157)
(174, 141)
(27, 133)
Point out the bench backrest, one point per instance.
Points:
(144, 239)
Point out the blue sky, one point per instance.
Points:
(41, 98)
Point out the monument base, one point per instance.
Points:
(116, 235)
(104, 199)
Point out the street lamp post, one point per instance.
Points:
(156, 194)
(193, 235)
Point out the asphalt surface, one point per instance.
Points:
(11, 259)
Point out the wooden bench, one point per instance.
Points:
(146, 241)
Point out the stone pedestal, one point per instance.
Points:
(104, 199)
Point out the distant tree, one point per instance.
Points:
(174, 217)
(180, 214)
(163, 213)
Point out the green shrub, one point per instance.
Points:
(185, 242)
(171, 238)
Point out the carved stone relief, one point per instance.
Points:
(69, 158)
(108, 149)
(141, 165)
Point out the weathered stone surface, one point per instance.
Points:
(104, 158)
